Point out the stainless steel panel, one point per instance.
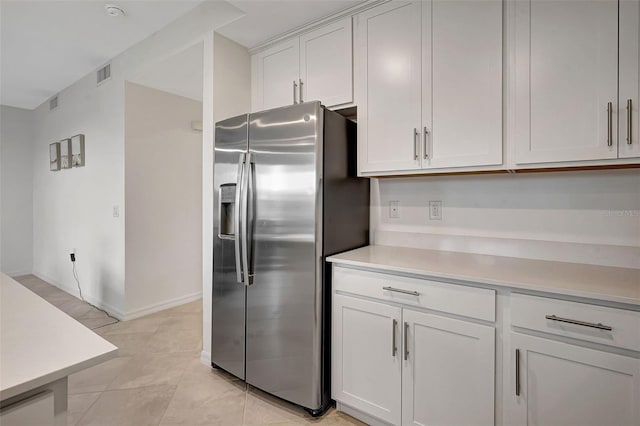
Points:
(284, 303)
(229, 296)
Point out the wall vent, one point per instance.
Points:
(104, 73)
(53, 103)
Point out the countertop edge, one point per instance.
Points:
(485, 281)
(56, 375)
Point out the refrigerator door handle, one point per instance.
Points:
(238, 216)
(247, 197)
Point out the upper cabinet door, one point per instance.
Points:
(326, 64)
(462, 83)
(629, 102)
(566, 80)
(388, 87)
(275, 75)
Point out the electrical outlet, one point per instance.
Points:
(116, 211)
(394, 211)
(435, 210)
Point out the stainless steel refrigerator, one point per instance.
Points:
(286, 196)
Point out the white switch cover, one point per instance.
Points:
(116, 211)
(393, 210)
(435, 210)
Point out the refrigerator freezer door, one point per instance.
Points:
(229, 295)
(284, 303)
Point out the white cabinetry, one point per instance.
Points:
(448, 372)
(429, 85)
(629, 100)
(567, 105)
(366, 357)
(314, 66)
(555, 383)
(404, 366)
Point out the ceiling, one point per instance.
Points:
(45, 46)
(48, 45)
(266, 19)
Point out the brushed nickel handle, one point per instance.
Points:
(301, 83)
(609, 123)
(415, 143)
(629, 118)
(576, 322)
(426, 147)
(399, 290)
(517, 372)
(406, 340)
(394, 348)
(295, 89)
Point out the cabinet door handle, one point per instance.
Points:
(295, 90)
(426, 146)
(609, 123)
(517, 372)
(629, 118)
(394, 348)
(399, 290)
(406, 340)
(599, 326)
(415, 143)
(301, 83)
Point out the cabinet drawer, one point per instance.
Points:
(599, 324)
(456, 299)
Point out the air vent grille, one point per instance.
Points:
(53, 103)
(104, 73)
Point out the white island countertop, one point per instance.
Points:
(39, 343)
(620, 285)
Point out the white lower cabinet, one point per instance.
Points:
(407, 367)
(448, 372)
(556, 383)
(366, 370)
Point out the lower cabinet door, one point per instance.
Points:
(448, 371)
(366, 357)
(555, 383)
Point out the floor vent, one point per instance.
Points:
(53, 103)
(104, 73)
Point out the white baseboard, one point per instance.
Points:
(160, 306)
(14, 274)
(73, 290)
(364, 417)
(205, 358)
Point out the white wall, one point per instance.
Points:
(73, 209)
(16, 182)
(229, 87)
(163, 195)
(582, 216)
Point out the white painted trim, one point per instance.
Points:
(312, 25)
(364, 417)
(72, 290)
(157, 307)
(205, 358)
(14, 274)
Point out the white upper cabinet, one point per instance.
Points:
(429, 85)
(317, 65)
(462, 83)
(326, 64)
(275, 76)
(566, 80)
(388, 87)
(629, 101)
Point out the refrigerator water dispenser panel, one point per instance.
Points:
(227, 210)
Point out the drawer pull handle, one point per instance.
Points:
(399, 290)
(406, 341)
(576, 322)
(394, 348)
(517, 372)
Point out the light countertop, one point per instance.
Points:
(604, 283)
(39, 343)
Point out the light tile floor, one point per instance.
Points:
(158, 379)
